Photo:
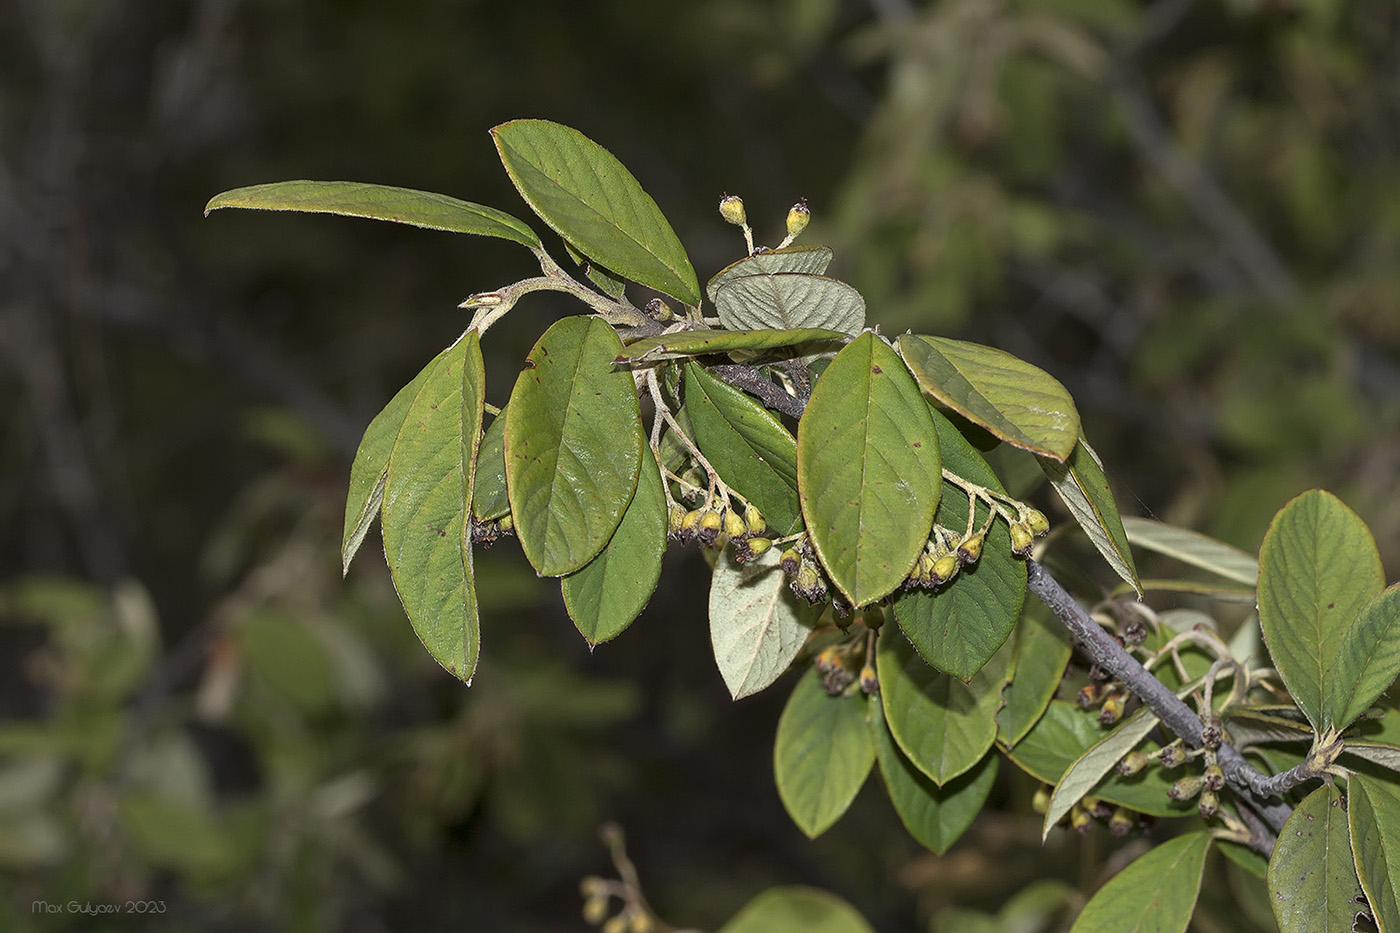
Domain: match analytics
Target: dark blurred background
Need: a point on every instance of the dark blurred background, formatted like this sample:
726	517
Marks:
1187	211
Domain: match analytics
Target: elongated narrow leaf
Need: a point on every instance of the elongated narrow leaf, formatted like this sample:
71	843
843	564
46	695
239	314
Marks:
1318	566
794	909
812	260
959	626
379	202
699	342
1312	881
426	488
757	626
366	494
1194	548
1373	814
1096	762
490	499
822	754
1380	753
1081	483
747	444
590	199
943	725
1155	894
606	594
573	445
1041	652
789	300
1019	403
1063	733
1368	659
868	470
1250	725
935	816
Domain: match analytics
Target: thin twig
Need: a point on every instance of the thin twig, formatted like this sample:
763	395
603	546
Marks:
764	389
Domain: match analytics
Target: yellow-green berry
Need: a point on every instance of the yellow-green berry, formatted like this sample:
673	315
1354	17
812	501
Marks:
1210	804
1040	803
1112	710
734	525
753	518
1079	819
1133	763
790	561
506	524
616	924
1021	539
1121	822
944	568
731	208
676	518
798	217
1214	777
1186	788
759	546
595	910
1037	522
970	550
868	681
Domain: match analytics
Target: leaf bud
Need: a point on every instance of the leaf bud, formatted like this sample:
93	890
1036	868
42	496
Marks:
734	525
868	681
731	208
944	569
1186	788
595	910
1021	540
1080	820
970	550
790	561
759	546
797	218
1210	804
1214	777
1036	522
1133	763
1122	821
754	520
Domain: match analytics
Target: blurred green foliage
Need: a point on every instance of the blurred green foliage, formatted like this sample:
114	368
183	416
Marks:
1184	210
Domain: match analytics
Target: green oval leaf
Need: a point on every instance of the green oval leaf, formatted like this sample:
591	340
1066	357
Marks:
379	202
789	300
1019	403
1038	665
1063	733
746	444
1312	881
959	626
1082	485
1368	659
822	754
812	260
573	445
1373	815
943	725
490	500
757	626
868	470
590	199
1155	894
426	488
606	594
794	909
699	342
1318	566
935	816
1194	548
366	493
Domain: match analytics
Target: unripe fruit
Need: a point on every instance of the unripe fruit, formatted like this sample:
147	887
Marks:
798	218
753	518
1080	820
970	550
675	518
759	546
1121	822
734	525
873	617
1211	734
1091	695
790	561
506	524
690	522
731	209
1172	756
1112	710
1210	804
1132	763
868	682
1214	777
641	923
1186	788
1021	540
1036	522
1040	803
615	925
595	910
944	568
708	529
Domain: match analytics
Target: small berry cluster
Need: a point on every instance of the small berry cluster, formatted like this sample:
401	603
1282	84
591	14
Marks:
850	665
1120	820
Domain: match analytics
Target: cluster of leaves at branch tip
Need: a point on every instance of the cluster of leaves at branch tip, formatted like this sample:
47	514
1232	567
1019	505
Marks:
880	504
